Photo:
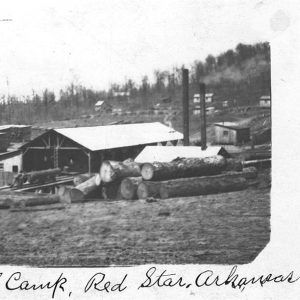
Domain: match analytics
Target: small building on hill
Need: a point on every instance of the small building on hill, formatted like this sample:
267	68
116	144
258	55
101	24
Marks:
103	106
231	133
208	98
265	101
82	149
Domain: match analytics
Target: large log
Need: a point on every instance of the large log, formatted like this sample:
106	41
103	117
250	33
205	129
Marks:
115	170
260	164
148	189
247	173
83	190
43	208
63	192
185	167
128	187
42	176
196	186
29	199
82	178
233	165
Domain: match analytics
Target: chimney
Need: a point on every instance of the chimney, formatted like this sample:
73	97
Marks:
185	106
202	115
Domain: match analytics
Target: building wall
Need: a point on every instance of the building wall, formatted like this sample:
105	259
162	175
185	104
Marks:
225	135
7	164
243	135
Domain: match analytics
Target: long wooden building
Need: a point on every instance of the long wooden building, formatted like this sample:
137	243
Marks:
82	149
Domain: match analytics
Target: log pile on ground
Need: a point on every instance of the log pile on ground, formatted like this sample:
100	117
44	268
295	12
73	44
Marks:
130	180
178	178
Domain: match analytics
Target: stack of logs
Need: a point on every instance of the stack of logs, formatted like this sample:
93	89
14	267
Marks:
130	180
181	177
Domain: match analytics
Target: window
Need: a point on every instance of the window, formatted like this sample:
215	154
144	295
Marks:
15	169
1	166
225	133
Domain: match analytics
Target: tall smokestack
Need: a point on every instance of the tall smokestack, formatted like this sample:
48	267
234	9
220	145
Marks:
185	106
203	116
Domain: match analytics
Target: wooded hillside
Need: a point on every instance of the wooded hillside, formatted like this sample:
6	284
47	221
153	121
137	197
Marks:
242	74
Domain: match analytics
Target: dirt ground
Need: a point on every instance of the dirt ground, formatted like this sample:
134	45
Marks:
229	228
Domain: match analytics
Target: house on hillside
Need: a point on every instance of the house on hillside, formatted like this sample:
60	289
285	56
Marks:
208	98
103	106
231	133
265	101
82	149
197	110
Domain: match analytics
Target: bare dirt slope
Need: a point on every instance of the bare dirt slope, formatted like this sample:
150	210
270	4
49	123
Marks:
225	228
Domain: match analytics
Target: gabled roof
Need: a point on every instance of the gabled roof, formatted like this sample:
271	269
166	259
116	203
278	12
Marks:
117	136
265	97
9	154
231	125
209	94
99	103
169	153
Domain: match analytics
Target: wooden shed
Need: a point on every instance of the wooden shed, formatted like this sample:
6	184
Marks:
265	101
231	133
82	149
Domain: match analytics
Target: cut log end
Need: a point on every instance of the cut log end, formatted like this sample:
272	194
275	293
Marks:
147	171
76	195
127	189
106	172
142	191
163	192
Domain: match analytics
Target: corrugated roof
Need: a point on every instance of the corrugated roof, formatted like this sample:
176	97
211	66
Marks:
169	153
123	135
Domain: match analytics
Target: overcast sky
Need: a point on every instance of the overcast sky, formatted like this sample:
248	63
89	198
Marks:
96	42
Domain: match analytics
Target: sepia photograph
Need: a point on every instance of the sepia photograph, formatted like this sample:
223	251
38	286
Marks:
135	132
